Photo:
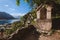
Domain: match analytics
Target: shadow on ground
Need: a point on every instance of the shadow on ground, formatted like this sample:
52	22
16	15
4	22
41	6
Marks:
56	24
28	33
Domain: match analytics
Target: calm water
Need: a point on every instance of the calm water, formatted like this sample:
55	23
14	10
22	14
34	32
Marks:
8	21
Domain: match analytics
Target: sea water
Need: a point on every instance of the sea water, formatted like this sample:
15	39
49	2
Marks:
8	21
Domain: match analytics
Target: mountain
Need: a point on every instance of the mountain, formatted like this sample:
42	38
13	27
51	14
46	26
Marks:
5	16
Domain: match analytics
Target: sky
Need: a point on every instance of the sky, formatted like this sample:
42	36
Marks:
9	6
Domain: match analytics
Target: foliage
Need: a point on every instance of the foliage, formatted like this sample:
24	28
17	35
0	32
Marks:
26	0
17	2
8	31
15	26
38	2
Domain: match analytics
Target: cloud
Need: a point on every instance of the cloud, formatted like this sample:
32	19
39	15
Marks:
11	8
6	5
18	14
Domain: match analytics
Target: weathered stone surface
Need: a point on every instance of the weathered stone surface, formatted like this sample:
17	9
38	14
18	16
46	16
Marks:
44	18
44	25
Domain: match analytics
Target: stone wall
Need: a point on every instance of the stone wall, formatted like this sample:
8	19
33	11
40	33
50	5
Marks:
44	25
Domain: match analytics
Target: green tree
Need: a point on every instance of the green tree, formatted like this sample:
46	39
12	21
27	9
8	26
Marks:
18	2
37	2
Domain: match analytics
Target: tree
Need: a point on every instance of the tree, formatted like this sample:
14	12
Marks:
17	2
37	2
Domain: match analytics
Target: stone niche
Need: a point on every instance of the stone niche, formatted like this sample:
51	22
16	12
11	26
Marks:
44	19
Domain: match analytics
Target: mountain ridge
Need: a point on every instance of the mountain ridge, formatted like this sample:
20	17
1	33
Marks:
5	16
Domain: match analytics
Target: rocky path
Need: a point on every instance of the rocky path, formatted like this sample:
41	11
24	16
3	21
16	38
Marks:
55	36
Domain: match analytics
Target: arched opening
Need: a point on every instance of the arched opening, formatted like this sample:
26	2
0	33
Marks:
43	13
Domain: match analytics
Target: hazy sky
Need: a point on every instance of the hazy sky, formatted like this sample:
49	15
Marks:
10	7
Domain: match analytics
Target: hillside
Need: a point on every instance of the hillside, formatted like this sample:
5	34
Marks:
4	15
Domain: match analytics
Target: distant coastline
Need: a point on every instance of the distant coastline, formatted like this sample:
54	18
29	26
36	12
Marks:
8	21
